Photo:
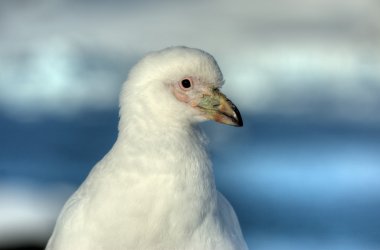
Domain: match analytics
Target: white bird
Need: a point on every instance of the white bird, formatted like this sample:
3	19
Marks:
155	188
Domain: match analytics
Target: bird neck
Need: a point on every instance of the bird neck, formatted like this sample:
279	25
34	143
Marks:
156	140
176	149
172	140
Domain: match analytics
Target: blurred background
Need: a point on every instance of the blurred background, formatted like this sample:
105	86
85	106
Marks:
303	172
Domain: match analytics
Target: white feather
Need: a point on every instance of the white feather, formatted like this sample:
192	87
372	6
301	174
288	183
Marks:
155	189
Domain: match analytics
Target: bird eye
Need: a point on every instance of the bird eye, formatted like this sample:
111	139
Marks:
186	83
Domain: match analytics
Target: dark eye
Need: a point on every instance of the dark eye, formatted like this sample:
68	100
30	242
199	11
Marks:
186	83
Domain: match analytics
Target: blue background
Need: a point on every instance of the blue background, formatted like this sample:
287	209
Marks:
303	172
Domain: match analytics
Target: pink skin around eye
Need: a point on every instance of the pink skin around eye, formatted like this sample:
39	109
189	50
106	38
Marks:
180	92
181	96
188	95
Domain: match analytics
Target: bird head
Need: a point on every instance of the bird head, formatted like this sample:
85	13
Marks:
181	83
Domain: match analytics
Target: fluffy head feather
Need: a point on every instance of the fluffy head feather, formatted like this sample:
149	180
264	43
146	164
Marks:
151	93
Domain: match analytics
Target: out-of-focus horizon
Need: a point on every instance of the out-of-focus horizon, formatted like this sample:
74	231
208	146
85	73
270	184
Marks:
302	173
287	54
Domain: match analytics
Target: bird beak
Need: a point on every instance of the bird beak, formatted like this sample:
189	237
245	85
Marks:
216	106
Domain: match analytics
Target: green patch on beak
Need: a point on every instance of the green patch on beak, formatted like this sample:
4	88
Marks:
216	106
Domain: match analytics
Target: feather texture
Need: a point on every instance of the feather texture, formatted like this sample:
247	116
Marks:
155	189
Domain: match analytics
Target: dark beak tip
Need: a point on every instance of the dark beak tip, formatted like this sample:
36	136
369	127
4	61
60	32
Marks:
239	123
239	119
